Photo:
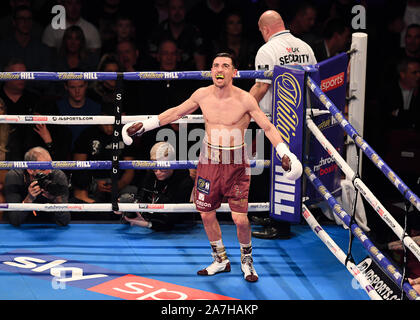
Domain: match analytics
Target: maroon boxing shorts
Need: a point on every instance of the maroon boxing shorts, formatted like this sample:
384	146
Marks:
223	175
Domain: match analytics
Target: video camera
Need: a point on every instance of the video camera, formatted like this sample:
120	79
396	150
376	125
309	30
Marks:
46	183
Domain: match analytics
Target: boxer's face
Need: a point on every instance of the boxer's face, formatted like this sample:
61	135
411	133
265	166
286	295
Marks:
222	71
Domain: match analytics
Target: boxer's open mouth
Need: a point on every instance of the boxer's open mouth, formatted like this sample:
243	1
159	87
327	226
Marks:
220	76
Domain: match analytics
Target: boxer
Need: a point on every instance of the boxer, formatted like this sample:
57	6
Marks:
227	111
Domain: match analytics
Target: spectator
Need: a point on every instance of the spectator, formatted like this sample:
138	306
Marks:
54	138
130	57
53	37
22	44
233	40
411	49
132	60
412	41
103	92
94	144
161	7
76	103
162	186
6	22
411	16
103	14
24	185
336	39
341	9
303	22
393	128
163	94
401	100
125	30
209	17
73	53
187	37
18	101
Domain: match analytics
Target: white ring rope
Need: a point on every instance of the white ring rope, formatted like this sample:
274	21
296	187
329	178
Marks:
339	254
126	207
92	120
364	190
72	120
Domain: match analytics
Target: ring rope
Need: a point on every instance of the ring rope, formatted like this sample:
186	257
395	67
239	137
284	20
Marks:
107	164
364	190
131	76
371	154
339	254
126	207
373	251
73	120
92	120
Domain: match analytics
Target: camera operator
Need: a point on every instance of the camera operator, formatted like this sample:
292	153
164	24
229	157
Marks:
36	186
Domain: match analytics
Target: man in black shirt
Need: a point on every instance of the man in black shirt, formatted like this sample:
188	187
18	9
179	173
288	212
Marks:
95	144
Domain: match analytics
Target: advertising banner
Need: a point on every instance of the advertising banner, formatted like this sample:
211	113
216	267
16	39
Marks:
288	117
331	76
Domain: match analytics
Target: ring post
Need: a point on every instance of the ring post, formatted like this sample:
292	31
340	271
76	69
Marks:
357	92
289	118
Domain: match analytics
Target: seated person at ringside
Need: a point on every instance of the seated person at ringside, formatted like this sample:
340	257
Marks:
77	103
161	186
36	186
95	144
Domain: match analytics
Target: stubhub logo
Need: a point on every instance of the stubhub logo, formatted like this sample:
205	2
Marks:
63	272
332	82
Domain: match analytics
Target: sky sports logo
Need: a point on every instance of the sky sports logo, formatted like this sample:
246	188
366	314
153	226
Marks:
333	82
64	273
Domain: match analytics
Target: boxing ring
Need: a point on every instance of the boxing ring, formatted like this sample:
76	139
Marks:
115	165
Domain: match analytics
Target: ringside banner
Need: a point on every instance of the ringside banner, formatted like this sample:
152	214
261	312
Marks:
330	75
288	117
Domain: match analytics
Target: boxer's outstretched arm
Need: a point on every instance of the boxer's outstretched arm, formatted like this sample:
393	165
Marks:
175	113
137	128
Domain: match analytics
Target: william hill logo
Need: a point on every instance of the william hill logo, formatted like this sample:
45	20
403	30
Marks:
289	98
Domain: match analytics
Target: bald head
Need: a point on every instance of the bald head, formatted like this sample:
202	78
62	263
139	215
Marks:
270	23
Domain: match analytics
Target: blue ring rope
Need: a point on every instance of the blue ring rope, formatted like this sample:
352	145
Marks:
370	153
133	76
107	165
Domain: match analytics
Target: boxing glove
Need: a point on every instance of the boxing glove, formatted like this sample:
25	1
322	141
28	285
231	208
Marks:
138	128
295	167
